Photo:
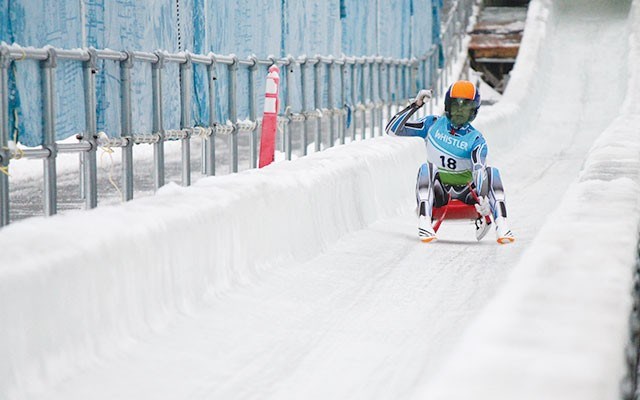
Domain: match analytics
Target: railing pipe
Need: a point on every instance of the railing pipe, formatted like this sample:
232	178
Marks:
186	81
354	101
341	117
126	127
175	57
288	107
435	54
317	101
331	106
39	154
21	53
73	55
5	155
413	81
157	125
363	99
201	59
147	57
91	132
399	88
394	84
380	98
253	114
403	82
233	113
80	147
388	97
303	87
372	99
420	83
209	144
112	55
48	67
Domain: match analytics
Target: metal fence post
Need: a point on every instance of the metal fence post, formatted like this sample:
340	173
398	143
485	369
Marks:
91	135
432	77
303	87
396	95
5	155
363	98
343	93
253	106
317	102
210	141
441	77
185	117
406	77
413	77
419	82
389	96
402	87
331	106
289	102
233	114
354	100
48	116
126	126
380	100
372	115
157	126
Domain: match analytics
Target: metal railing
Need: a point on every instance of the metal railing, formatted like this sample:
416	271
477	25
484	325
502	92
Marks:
378	85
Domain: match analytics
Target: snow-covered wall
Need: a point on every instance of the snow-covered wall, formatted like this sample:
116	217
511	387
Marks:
86	282
399	28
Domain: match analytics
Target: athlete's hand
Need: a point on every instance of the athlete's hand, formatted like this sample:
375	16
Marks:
422	96
482	206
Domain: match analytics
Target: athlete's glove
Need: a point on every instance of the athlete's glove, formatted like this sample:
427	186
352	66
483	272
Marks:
482	206
422	96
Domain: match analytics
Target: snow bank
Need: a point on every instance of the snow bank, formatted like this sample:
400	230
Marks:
97	279
558	329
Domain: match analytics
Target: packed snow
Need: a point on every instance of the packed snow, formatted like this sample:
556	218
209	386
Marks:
305	280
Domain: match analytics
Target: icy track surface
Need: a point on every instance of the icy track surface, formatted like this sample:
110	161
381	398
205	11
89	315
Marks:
306	280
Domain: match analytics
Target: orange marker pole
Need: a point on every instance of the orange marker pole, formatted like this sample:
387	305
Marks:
270	118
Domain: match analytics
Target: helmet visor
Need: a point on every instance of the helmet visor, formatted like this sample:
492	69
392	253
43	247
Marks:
461	111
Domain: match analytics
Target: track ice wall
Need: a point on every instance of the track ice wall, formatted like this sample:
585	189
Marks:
90	281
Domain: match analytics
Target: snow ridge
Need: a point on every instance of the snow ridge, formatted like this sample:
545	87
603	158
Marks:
99	279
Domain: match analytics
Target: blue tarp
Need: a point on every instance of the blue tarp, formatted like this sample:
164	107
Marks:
397	28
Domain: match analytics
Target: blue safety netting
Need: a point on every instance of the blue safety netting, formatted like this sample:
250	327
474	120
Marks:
396	28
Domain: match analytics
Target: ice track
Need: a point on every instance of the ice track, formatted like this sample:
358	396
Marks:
315	285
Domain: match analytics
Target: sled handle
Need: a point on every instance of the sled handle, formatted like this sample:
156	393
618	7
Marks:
476	198
444	213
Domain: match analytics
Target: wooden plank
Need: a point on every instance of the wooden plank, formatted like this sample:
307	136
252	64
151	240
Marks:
498	33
